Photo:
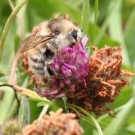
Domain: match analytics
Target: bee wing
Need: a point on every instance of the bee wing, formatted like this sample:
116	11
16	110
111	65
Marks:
32	41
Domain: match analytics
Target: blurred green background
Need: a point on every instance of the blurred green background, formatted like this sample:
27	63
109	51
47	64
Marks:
106	22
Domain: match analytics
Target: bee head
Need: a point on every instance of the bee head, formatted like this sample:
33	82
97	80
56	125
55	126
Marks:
65	31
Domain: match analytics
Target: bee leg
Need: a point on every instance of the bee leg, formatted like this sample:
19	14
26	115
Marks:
59	76
50	71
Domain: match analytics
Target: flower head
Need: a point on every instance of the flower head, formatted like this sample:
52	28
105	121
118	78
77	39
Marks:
71	68
55	123
10	127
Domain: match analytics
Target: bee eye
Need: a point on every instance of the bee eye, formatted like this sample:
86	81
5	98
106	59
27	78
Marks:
57	32
74	34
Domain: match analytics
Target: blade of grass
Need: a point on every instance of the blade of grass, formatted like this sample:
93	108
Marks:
105	24
6	103
85	16
130	21
129	36
95	17
81	115
24	111
115	29
13	109
118	123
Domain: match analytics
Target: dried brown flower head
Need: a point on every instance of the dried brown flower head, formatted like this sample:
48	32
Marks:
57	123
105	80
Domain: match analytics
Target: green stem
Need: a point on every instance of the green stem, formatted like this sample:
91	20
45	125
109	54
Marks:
44	111
8	24
89	117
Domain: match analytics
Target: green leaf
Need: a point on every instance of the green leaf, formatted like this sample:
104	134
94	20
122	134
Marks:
56	104
88	129
41	104
124	97
34	110
131	128
24	111
34	96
